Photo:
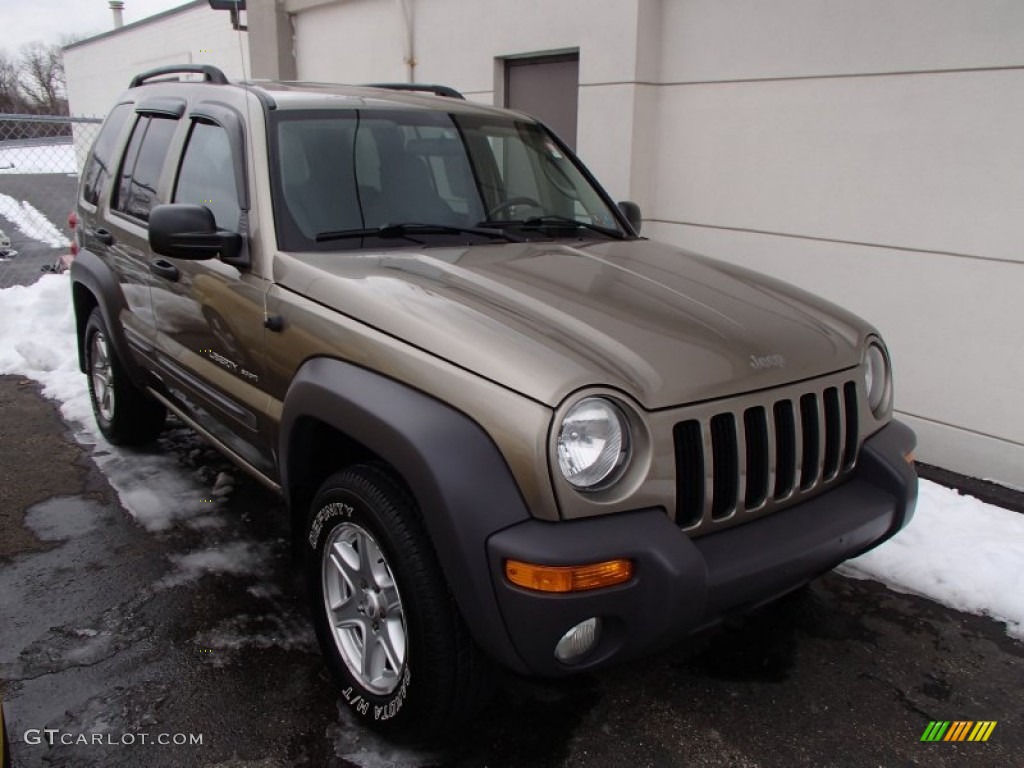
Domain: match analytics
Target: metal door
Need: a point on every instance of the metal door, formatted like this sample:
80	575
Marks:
546	87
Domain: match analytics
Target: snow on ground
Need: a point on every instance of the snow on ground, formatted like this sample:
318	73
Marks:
32	222
363	747
37	340
39	158
239	558
957	551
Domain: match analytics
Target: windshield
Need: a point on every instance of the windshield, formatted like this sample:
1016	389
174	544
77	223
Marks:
426	177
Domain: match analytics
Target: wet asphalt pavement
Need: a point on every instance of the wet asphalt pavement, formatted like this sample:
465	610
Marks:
108	628
53	195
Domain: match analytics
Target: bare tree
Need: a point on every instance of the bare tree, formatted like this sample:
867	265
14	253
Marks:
42	77
11	98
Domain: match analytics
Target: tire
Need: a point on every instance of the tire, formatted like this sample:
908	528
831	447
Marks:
424	677
124	413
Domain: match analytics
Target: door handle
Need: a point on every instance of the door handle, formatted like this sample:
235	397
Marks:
165	269
103	236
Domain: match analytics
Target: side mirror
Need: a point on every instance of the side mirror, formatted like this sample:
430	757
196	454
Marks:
632	213
184	231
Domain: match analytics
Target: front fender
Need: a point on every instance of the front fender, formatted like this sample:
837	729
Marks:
90	273
459	478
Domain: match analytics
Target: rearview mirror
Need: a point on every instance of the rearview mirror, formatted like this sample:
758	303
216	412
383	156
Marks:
632	213
184	231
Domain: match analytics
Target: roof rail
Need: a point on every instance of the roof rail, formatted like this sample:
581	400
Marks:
210	74
437	90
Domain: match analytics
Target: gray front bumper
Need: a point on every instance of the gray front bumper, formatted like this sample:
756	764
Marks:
680	584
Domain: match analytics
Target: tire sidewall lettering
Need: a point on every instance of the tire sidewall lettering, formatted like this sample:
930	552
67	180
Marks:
393	707
324	515
361	702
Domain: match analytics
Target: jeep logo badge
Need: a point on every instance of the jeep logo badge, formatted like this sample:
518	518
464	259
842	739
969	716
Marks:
760	362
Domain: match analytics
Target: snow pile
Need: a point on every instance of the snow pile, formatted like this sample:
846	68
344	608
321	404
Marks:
31	222
37	340
41	158
958	551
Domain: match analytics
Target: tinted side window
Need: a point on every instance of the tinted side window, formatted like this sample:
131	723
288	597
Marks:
143	161
207	176
101	161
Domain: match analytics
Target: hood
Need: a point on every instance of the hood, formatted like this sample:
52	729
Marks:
665	326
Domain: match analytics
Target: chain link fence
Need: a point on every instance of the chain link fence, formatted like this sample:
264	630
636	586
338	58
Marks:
41	158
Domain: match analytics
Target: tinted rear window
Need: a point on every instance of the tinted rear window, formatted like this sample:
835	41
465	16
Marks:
100	166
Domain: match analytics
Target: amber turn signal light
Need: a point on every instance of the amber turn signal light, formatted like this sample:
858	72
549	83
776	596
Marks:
568	578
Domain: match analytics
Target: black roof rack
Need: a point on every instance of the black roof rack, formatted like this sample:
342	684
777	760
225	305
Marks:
437	90
210	74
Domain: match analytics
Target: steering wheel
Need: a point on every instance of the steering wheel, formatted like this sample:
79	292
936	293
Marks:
504	205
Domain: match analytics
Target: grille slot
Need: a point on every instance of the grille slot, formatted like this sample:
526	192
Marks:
726	465
833	433
810	432
689	473
852	437
785	449
764	457
755	426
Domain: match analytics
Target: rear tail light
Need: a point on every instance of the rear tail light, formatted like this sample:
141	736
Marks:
73	226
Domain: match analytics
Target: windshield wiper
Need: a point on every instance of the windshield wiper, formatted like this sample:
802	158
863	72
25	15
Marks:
407	230
540	221
553	220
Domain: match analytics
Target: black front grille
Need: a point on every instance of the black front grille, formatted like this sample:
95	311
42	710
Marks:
747	459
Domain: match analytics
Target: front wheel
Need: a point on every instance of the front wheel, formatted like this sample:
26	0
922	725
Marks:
124	413
388	627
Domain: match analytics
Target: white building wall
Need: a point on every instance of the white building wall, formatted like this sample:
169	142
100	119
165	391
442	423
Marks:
870	152
100	68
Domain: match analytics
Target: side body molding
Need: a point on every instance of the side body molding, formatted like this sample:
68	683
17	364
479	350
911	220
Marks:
464	488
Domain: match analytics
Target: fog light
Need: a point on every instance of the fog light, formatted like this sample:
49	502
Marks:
578	640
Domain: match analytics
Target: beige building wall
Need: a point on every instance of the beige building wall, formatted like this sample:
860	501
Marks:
872	153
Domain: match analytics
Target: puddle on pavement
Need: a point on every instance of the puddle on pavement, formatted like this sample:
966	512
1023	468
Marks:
63	517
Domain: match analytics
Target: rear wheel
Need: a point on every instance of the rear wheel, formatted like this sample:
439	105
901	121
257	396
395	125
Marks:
124	413
387	624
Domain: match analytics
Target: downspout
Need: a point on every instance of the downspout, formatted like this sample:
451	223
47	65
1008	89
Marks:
410	50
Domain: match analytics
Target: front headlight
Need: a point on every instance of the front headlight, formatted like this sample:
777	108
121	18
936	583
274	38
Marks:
877	381
593	444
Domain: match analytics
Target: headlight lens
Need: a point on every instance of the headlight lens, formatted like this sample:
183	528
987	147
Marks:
876	378
593	443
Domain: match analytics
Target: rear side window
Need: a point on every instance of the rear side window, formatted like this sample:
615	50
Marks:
140	169
207	175
100	166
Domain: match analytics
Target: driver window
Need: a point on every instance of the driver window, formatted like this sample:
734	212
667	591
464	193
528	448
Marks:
207	175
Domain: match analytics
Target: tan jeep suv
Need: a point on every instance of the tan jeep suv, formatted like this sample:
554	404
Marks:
508	429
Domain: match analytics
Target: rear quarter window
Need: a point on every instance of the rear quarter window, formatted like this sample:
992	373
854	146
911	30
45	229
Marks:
99	168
